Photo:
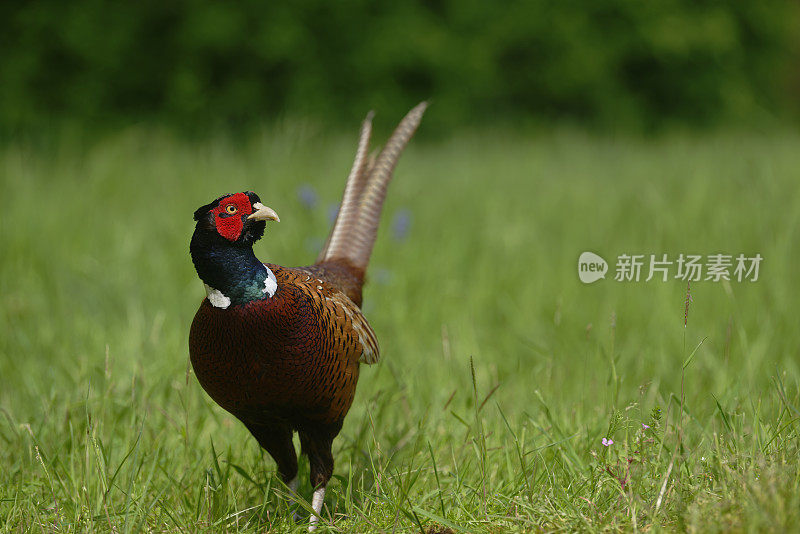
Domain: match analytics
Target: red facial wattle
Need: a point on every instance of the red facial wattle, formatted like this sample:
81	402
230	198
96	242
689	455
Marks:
230	214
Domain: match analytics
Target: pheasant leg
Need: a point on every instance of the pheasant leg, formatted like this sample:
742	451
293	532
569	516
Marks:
316	504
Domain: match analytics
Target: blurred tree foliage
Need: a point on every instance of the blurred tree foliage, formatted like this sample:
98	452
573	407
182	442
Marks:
606	63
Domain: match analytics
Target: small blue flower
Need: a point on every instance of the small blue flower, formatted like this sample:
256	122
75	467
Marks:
307	196
401	224
333	211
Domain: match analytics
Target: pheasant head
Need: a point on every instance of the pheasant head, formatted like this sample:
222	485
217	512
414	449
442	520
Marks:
222	249
239	218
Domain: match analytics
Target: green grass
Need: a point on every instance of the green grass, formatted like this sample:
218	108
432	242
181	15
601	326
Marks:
500	375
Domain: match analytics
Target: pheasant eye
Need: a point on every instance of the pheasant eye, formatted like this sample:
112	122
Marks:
230	208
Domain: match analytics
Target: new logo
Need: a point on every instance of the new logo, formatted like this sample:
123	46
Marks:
591	267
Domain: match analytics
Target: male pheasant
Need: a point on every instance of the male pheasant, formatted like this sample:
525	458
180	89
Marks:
280	347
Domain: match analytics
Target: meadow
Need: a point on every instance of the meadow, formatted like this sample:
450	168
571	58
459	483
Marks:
510	396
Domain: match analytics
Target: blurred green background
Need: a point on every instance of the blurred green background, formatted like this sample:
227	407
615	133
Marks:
608	64
620	127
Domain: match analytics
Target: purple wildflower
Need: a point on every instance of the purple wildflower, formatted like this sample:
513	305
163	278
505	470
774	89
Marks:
307	196
333	211
645	427
607	442
401	224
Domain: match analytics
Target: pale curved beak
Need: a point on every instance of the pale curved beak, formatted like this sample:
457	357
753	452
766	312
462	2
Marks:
263	213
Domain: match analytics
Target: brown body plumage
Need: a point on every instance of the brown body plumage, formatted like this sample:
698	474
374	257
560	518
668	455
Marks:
305	369
289	361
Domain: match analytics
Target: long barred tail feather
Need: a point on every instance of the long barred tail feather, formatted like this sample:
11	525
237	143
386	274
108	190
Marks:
336	244
353	234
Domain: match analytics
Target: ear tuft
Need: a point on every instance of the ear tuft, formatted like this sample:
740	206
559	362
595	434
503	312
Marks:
201	211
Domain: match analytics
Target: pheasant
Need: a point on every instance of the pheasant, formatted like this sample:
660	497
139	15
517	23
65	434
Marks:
279	347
